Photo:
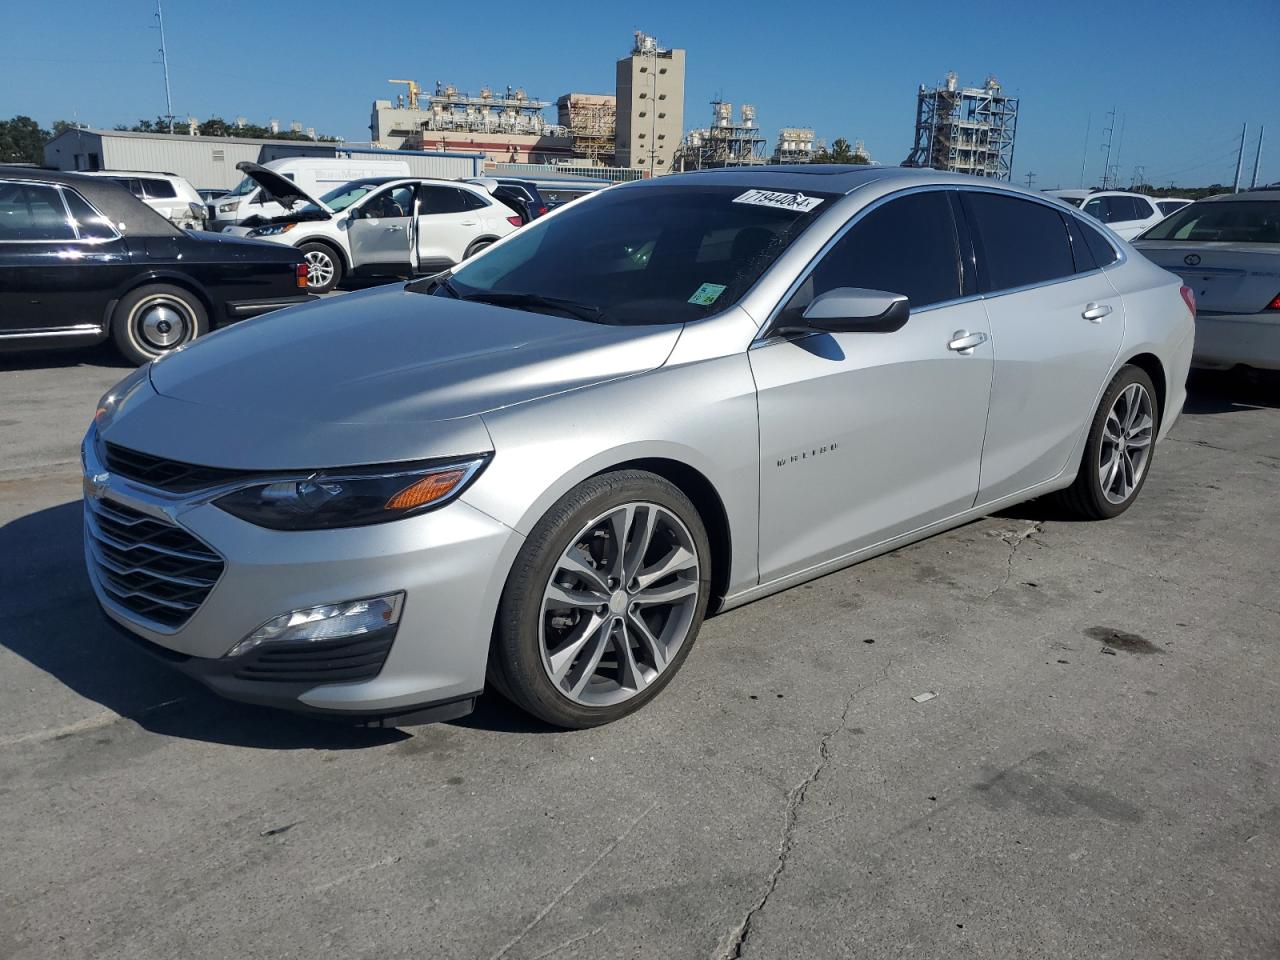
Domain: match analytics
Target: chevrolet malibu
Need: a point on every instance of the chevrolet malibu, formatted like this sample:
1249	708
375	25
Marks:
541	471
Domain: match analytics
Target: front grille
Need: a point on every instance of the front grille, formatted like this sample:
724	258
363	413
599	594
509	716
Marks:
164	474
147	565
344	660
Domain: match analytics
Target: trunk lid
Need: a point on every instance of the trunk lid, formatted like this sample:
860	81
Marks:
1226	277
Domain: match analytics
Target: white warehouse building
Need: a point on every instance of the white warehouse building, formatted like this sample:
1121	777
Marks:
210	162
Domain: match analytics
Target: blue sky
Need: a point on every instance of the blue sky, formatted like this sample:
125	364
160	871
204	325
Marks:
1182	75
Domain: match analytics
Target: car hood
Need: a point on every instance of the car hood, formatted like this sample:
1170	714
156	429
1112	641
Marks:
280	188
384	372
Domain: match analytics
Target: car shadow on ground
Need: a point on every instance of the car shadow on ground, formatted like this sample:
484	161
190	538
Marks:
1231	391
102	355
53	621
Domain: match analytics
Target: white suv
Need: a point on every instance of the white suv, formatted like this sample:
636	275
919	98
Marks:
169	195
398	226
1128	214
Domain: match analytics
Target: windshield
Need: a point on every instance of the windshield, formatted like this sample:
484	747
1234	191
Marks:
344	196
645	254
1238	221
244	188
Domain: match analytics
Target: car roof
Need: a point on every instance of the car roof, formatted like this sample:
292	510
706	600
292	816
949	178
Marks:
113	200
1271	196
127	173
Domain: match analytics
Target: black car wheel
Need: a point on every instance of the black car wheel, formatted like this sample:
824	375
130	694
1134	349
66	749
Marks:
476	248
324	267
151	321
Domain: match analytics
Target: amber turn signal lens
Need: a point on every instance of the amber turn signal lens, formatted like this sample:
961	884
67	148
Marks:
427	490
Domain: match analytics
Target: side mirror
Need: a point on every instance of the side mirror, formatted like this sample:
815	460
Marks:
355	213
855	310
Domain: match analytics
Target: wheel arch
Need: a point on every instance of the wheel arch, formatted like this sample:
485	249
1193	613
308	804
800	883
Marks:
485	239
343	258
706	499
158	277
1150	364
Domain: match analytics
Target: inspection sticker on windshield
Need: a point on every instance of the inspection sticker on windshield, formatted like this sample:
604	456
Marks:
784	201
707	294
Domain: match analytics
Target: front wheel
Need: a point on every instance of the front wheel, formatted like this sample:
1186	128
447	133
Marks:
1117	454
151	321
324	267
603	602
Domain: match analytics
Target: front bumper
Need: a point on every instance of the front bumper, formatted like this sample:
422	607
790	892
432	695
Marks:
450	563
1226	340
243	309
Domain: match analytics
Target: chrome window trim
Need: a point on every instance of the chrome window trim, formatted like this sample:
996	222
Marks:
74	224
1060	207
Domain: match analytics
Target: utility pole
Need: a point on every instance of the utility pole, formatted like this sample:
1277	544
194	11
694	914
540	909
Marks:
1257	158
1244	130
1139	173
1115	176
1108	132
164	62
1030	179
1084	153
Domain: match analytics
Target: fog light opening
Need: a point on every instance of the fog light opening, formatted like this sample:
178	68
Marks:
328	621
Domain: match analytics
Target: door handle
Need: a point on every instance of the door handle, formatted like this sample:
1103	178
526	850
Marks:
466	223
1094	312
396	229
963	342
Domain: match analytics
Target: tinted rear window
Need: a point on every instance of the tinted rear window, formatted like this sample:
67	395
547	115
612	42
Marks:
1234	221
1021	242
1103	252
31	211
158	189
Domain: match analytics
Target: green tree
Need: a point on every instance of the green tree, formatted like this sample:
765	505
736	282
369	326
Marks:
22	140
841	152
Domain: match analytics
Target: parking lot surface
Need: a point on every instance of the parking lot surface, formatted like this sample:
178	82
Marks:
1097	775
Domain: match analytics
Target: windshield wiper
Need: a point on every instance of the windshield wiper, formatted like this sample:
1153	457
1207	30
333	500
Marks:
581	311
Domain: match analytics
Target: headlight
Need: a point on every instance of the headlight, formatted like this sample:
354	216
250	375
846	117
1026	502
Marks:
326	500
114	400
273	230
227	207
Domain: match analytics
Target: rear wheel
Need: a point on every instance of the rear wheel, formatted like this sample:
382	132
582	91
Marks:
324	267
1117	454
476	248
604	601
151	321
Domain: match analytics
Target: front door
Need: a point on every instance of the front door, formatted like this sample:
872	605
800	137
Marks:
382	233
866	436
1057	324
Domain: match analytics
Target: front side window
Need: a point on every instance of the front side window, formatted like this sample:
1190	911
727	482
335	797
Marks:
90	224
906	246
1020	242
30	211
1236	221
646	254
394	202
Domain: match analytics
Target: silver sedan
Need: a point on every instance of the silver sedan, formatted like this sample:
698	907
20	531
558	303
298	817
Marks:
540	472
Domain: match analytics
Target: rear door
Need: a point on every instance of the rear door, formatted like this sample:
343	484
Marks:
381	231
867	436
1056	325
448	221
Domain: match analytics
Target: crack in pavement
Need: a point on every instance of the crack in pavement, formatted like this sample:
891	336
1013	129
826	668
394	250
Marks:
737	938
1015	539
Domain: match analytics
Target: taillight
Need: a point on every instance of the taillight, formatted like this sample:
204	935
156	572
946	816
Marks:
514	221
1189	297
542	211
302	275
1275	303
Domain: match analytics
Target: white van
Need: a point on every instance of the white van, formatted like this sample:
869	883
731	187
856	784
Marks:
315	175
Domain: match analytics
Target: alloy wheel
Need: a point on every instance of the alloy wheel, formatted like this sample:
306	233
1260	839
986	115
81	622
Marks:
1126	443
319	268
619	604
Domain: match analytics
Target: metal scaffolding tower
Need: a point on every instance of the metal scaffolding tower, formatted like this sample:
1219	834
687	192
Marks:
725	143
965	130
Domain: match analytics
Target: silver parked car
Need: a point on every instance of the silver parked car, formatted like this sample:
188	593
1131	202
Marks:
1227	249
542	470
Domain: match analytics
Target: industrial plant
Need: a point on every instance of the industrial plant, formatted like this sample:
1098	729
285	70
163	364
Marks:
965	129
727	142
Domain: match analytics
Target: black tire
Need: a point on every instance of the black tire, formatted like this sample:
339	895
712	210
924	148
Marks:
315	254
153	320
1085	497
515	660
476	247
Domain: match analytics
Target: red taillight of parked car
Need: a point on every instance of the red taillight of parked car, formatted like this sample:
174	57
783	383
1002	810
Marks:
1275	303
302	275
1189	296
542	211
514	221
